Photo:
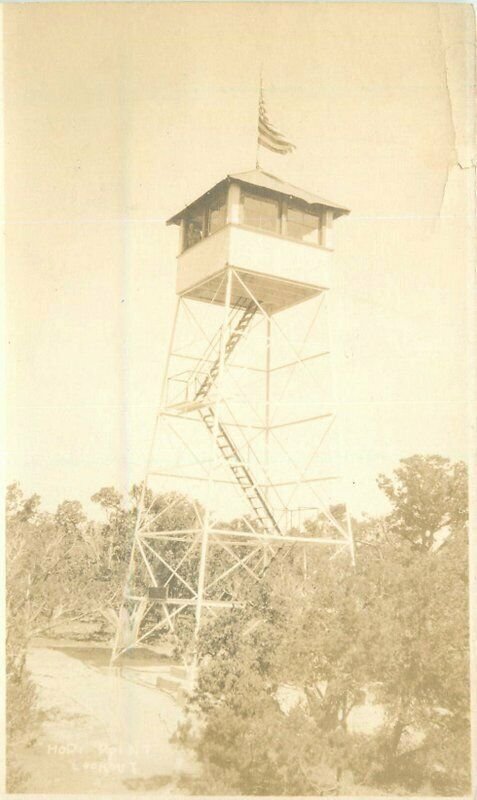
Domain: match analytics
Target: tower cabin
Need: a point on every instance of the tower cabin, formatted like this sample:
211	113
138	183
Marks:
277	238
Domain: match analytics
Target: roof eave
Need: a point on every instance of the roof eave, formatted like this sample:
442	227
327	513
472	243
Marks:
176	218
319	202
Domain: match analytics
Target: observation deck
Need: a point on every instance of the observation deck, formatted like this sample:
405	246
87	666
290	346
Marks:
277	238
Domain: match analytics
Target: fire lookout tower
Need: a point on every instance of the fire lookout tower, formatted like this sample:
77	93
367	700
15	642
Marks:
245	424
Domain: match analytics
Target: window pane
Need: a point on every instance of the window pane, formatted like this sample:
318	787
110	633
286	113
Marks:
303	233
260	213
194	229
303	226
217	214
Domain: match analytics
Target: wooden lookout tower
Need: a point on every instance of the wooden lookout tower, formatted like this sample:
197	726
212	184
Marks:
245	423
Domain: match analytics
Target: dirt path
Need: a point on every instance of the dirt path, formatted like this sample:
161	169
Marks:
103	733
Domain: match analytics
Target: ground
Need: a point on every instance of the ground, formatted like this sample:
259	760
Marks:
105	730
108	730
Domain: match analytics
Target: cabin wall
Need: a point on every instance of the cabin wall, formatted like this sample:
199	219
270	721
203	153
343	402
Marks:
253	251
273	255
202	260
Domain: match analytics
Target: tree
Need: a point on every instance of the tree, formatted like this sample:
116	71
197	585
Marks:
395	628
112	544
21	718
427	493
52	576
416	603
247	744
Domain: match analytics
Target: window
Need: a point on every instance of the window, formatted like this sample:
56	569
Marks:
217	214
194	228
303	226
259	212
205	220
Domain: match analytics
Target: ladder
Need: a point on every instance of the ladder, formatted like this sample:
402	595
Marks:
262	513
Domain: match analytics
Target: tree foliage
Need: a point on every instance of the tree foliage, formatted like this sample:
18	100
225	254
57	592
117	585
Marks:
393	632
280	679
427	493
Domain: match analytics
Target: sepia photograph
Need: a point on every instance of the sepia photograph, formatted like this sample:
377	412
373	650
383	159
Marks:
240	371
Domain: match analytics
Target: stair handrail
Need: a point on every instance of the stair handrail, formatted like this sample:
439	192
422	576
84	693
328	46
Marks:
214	342
250	308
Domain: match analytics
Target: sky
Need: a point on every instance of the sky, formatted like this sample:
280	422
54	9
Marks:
118	115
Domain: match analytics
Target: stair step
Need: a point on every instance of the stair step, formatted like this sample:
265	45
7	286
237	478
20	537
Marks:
243	312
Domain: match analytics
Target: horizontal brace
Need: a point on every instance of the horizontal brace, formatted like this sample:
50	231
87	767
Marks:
158	535
234	483
229	365
212	361
228	424
192	601
240	534
261	486
188	405
300	361
232	543
179	532
300	421
224	422
304	480
267	537
183	416
192	477
135	597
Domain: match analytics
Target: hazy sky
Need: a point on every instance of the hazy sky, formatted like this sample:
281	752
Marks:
117	115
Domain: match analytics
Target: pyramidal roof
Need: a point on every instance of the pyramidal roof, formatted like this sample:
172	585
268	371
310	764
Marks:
264	180
257	177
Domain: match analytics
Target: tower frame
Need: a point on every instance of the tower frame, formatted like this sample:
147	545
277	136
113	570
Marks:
161	587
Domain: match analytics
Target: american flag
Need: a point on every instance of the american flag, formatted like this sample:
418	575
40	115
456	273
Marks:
268	136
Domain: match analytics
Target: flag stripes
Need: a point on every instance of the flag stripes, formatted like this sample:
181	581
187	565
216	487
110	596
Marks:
268	136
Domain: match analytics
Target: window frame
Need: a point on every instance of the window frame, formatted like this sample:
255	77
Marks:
294	206
203	212
283	205
267	199
207	211
187	220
